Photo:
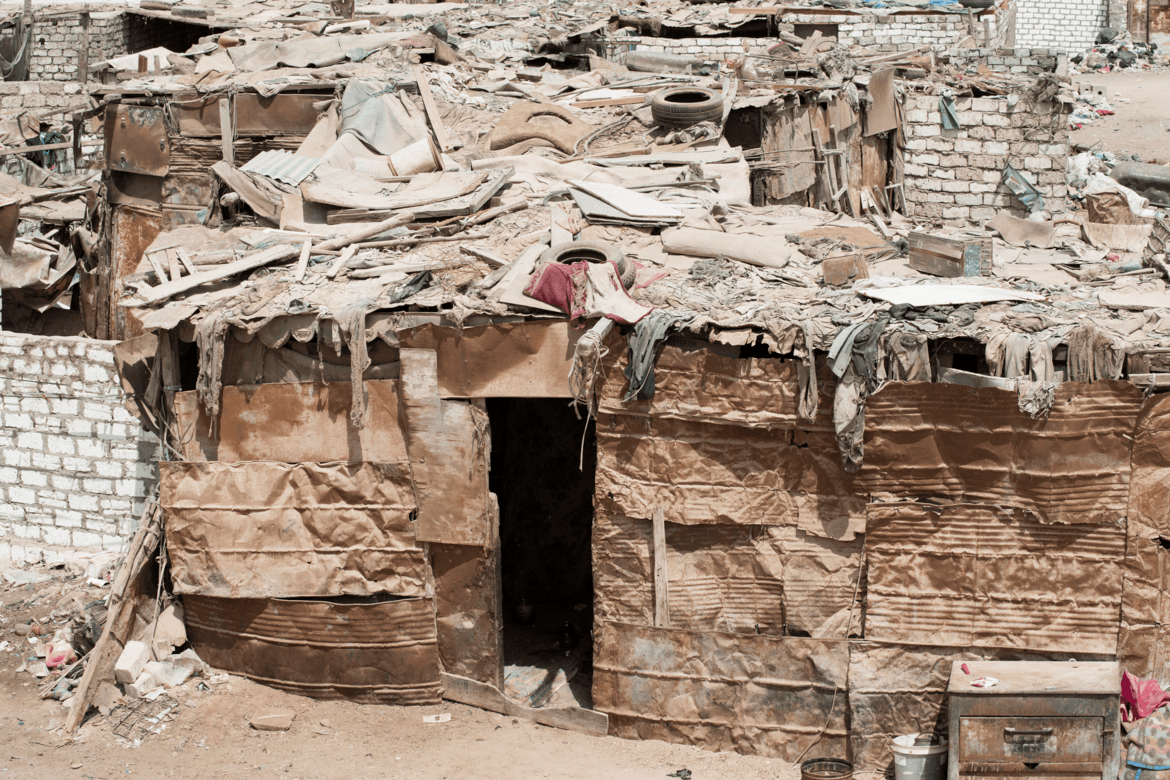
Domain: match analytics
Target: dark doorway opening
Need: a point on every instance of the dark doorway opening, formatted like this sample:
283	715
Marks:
545	494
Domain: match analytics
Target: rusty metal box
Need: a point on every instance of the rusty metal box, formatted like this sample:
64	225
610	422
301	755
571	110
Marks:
1048	720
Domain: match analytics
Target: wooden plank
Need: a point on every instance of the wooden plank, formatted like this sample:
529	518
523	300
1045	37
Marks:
225	131
41	148
661	586
173	263
185	260
488	697
340	262
303	262
634	100
433	116
156	264
811	43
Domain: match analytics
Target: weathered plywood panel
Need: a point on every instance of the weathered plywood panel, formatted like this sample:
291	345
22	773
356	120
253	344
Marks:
509	360
723	692
789	128
967	575
468	611
294	423
709	473
1071	466
447	442
374	652
703	386
263	529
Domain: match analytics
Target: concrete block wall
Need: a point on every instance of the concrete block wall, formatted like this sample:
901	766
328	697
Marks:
1068	25
75	466
955	174
1031	62
57	37
707	49
891	32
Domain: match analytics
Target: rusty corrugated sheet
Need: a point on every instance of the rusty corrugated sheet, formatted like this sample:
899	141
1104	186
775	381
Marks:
971	444
968	575
374	653
294	423
285	113
136	140
727	692
448	446
703	386
737	578
468	611
265	529
1145	606
708	473
509	360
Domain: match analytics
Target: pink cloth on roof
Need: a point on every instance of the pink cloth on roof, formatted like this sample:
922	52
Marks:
1140	697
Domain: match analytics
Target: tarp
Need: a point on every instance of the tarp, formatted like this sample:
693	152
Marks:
264	529
307	52
974	444
763	695
968	575
374	112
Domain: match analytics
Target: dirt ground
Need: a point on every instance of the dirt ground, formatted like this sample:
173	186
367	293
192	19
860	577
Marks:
210	737
1141	126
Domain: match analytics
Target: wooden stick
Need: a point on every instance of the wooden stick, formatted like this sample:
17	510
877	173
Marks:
661	595
412	241
185	260
340	262
156	264
303	262
369	231
173	261
225	131
633	100
424	88
382	270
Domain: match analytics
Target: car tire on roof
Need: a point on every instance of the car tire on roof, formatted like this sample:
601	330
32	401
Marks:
686	106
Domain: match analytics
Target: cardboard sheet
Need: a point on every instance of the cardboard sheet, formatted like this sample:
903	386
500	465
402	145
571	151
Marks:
263	529
975	444
514	360
703	473
763	695
448	444
703	386
369	652
293	423
468	611
969	575
883	114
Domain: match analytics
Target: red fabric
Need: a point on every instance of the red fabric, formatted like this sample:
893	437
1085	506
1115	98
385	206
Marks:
1140	697
560	285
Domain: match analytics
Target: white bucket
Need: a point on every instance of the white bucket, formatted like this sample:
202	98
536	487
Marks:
919	762
420	157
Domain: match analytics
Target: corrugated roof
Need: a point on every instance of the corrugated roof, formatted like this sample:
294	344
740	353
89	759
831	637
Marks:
282	165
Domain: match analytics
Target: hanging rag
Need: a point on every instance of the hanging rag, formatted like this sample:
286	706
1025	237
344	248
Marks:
1015	355
1093	354
909	358
1035	399
1040	360
853	359
950	116
1140	697
210	334
351	322
643	343
806	375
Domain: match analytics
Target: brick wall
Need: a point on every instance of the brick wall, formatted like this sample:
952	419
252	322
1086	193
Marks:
955	174
40	97
74	464
891	32
1032	62
57	37
1068	25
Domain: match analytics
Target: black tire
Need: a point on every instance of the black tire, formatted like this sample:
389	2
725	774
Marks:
591	252
686	106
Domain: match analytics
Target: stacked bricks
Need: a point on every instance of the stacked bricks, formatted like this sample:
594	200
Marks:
57	37
891	32
707	49
1068	25
956	174
75	465
1031	62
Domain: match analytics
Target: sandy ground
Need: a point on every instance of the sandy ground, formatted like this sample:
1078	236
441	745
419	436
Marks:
210	736
1141	126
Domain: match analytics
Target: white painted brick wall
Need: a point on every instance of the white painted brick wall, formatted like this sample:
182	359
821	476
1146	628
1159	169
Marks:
75	465
1068	25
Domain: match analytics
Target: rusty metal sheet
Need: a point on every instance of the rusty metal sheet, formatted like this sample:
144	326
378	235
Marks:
711	473
1016	739
294	423
901	689
447	442
197	115
286	113
700	385
974	444
136	140
508	360
968	575
134	189
134	229
373	652
762	695
265	529
741	578
468	611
